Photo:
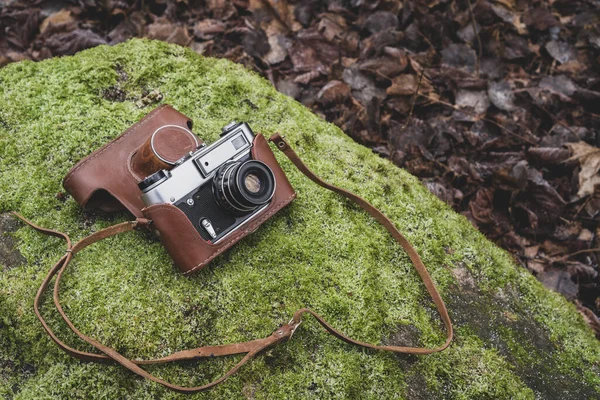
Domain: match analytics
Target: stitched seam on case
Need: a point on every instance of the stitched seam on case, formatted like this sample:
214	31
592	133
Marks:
234	240
124	135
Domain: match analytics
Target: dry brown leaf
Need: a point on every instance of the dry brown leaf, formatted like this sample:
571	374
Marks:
476	100
306	77
347	61
62	17
589	160
207	28
332	26
588	315
559	280
278	51
169	32
407	85
203	48
536	265
403	85
511	4
510	17
334	91
572	67
548	155
274	17
67	42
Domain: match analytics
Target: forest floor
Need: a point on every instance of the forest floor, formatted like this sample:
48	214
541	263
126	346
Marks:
493	104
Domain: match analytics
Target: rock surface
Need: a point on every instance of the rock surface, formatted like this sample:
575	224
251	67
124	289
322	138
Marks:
514	339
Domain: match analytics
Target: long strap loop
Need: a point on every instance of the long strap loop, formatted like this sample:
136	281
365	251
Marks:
249	348
391	228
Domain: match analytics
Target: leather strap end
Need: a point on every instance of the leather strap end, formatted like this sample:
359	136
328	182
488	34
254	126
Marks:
286	331
279	141
141	223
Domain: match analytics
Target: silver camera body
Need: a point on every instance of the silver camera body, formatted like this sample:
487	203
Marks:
218	187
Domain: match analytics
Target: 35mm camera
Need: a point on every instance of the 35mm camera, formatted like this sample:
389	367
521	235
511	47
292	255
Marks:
218	187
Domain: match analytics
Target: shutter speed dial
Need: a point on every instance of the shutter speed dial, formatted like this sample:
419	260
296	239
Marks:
153	180
228	128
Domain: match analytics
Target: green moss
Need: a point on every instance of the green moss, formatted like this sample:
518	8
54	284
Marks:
321	251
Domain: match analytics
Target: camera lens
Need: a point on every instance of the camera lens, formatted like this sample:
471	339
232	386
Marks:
242	187
252	183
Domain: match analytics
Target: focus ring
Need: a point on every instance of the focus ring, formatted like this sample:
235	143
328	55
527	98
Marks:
230	186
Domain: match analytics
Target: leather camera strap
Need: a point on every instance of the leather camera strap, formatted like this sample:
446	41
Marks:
249	348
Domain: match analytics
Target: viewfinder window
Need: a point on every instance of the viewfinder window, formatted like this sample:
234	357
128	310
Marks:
238	142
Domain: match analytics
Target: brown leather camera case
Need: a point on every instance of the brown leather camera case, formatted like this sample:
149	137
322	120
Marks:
108	178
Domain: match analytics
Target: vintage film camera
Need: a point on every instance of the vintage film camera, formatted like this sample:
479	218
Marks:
218	187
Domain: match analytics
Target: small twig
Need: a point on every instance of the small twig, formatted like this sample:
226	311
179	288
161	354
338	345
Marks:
583	205
374	71
356	103
480	118
592	114
428	41
578	252
552	67
476	32
414	100
556	120
563	219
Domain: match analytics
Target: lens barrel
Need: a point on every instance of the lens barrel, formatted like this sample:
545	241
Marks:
242	187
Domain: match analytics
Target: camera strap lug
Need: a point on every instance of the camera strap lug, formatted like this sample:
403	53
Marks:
279	141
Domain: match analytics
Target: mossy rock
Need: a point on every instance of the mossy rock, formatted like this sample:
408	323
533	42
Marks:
514	339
